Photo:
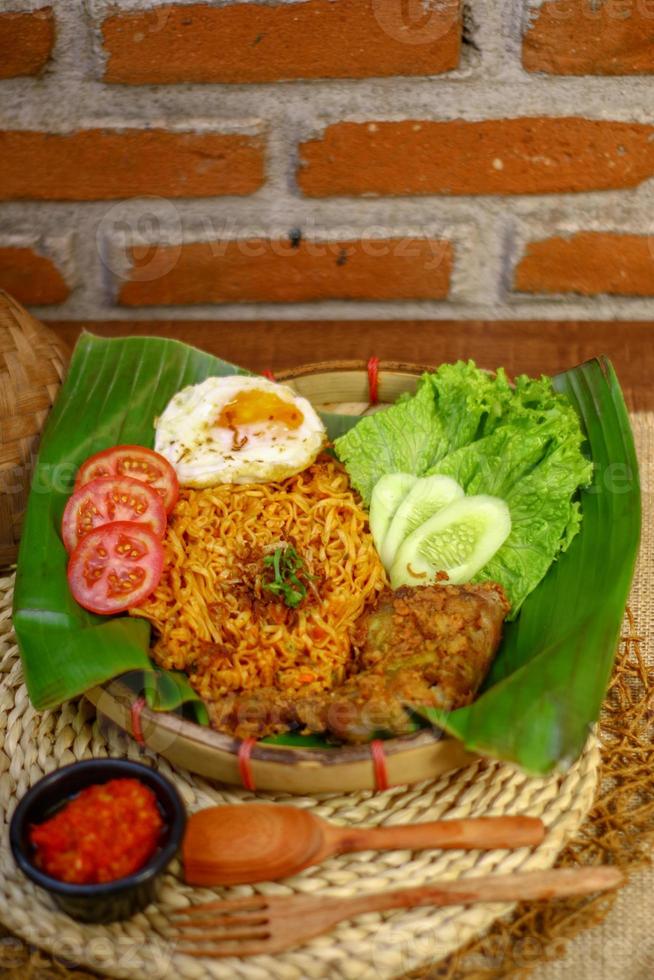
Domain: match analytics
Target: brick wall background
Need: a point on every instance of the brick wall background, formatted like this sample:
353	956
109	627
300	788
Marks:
328	159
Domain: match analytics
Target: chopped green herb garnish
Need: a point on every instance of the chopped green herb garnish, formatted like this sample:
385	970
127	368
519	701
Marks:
289	578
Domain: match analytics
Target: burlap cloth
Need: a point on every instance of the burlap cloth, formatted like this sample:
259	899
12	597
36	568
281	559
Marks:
608	937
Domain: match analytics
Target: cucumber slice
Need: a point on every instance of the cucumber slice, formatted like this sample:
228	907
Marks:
425	498
459	540
388	493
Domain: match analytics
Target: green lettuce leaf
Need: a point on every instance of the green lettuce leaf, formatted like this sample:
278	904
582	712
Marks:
404	438
520	443
536	471
450	408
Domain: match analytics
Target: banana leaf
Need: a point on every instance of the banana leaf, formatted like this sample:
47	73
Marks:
547	683
553	667
113	391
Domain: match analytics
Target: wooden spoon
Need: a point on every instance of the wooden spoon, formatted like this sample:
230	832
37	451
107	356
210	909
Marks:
236	845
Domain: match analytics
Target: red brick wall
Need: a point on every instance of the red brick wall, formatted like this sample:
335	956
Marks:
419	158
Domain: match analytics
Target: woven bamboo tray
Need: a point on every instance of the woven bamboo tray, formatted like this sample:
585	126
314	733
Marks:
32	364
339	386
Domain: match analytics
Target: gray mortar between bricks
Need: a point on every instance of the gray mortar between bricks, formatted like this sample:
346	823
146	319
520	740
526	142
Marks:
488	233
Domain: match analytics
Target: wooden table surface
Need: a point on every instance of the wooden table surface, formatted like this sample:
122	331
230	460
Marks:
532	347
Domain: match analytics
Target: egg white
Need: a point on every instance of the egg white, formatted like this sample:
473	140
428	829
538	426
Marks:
205	454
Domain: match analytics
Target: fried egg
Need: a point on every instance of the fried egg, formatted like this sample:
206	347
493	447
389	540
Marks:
238	429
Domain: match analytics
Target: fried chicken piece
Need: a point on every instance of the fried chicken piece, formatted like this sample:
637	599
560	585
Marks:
368	704
453	630
266	711
428	645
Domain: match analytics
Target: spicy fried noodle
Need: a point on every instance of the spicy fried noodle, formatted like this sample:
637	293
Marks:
214	617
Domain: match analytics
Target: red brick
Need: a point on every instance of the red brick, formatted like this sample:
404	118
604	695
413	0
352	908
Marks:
500	156
254	42
26	41
582	37
102	164
276	271
31	278
589	263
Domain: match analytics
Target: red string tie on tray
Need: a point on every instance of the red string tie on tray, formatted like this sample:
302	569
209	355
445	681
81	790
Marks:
245	763
373	380
268	374
136	711
379	765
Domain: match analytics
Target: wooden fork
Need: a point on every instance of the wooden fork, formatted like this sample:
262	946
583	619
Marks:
261	924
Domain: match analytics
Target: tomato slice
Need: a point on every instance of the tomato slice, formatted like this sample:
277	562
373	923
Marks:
137	462
115	566
111	499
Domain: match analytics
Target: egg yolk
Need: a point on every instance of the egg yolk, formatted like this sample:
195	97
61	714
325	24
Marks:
252	406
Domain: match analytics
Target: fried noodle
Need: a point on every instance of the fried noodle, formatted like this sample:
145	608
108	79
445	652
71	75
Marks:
212	615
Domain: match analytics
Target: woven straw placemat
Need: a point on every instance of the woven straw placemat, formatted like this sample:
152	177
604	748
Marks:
460	941
35	744
373	946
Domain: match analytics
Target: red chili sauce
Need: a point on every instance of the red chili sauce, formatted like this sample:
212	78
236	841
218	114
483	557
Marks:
104	833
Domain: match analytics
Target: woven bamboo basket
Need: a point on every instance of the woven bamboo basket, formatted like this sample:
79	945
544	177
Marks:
32	364
342	386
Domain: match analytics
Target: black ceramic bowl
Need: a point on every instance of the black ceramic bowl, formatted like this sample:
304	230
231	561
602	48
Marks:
112	900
